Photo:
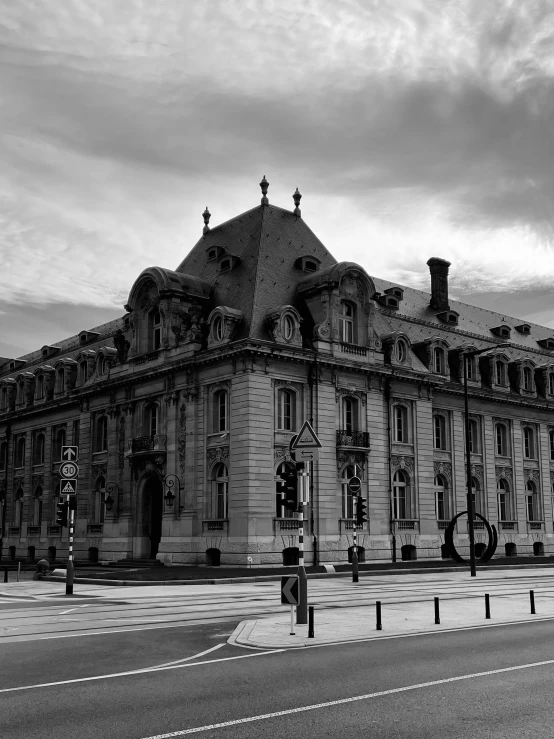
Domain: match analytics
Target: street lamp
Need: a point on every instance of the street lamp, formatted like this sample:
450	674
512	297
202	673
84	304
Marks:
111	487
471	530
170	482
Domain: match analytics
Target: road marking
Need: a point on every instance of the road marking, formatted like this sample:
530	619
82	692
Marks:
137	672
62	613
343	701
187	659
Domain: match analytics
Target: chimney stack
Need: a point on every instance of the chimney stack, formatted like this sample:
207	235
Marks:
439	283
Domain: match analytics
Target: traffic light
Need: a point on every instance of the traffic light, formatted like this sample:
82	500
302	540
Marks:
61	509
289	486
72	502
361	511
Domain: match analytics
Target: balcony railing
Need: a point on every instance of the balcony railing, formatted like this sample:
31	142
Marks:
535	525
407	524
215	524
95	528
33	530
141	444
15	530
353	438
54	530
359	351
507	525
443	524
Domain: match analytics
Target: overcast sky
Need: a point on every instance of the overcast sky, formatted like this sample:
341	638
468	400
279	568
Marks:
413	128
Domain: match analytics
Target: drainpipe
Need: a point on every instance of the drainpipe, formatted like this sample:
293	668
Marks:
314	400
389	473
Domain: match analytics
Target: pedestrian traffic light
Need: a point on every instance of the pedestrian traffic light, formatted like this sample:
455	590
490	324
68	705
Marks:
288	486
361	511
73	503
61	509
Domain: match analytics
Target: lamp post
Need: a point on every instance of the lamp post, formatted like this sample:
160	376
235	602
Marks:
112	487
170	482
470	528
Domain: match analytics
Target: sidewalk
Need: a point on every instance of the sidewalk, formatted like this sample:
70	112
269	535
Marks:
344	624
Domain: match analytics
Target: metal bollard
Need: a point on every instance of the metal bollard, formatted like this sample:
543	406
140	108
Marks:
532	598
18	570
5	574
310	622
437	614
378	614
487	606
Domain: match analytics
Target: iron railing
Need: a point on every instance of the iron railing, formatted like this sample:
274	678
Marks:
353	438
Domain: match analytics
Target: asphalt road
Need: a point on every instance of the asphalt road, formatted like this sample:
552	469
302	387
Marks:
298	688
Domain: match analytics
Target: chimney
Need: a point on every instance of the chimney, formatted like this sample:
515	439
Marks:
439	283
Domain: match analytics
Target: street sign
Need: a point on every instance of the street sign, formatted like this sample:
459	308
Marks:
306	455
289	590
68	487
354	485
69	470
70	453
306	439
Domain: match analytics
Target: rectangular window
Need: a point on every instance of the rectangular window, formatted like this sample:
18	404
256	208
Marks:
220	411
531	508
440	506
502	507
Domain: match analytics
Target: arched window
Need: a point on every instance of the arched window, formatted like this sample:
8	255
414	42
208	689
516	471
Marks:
217	328
349	471
503	495
101	365
20	452
477	497
39	387
438	360
286	410
38	449
400	420
439	431
220	411
346	322
474	446
18	508
533	502
441	498
401	351
154	329
401	496
83	372
528	443
3	455
280	510
501	440
152	419
349	408
500	372
37	507
100	500
527	379
288	327
220	488
101	434
59	441
60	380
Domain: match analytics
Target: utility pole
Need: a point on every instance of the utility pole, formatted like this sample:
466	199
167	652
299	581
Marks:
304	487
72	505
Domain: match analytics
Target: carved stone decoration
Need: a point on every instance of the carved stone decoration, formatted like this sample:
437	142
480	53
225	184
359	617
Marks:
122	345
345	458
218	454
172	398
504	473
18	482
56	477
342	392
223	322
477	472
36	481
113	411
99	470
2	488
444	469
281	454
284	325
352	288
532	475
322	330
121	446
187	325
182	436
402	463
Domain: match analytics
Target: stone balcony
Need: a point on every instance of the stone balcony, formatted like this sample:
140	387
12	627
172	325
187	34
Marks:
144	445
353	439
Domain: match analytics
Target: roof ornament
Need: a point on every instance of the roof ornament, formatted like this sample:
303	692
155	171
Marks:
296	197
206	216
264	184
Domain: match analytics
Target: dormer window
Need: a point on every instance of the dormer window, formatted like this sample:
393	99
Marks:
48	351
503	331
308	264
527	379
225	265
449	316
547	343
86	336
346	322
401	351
524	329
389	301
396	292
438	360
500	372
214	252
155	329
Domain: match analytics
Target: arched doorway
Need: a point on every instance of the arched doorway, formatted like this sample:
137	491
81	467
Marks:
152	512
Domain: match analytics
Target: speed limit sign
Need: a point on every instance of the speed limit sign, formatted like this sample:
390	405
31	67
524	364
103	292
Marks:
69	470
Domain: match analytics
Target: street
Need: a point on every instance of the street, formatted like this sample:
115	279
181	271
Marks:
103	666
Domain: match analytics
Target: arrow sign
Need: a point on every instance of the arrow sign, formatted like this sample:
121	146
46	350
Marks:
69	453
289	590
306	439
68	487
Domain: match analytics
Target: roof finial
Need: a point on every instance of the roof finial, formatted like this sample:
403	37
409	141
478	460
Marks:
264	184
206	216
296	197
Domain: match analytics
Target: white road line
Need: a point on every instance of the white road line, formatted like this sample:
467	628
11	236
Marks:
342	701
187	659
62	613
136	672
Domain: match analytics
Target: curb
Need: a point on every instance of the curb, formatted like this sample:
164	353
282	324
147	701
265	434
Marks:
270	578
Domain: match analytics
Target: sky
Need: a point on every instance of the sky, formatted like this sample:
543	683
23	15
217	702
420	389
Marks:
412	128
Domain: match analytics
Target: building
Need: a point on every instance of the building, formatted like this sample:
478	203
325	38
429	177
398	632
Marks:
183	410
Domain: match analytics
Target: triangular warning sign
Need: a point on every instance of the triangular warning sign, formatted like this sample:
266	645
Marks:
307	438
69	487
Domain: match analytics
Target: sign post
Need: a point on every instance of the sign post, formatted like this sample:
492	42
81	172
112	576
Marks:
355	488
305	445
68	486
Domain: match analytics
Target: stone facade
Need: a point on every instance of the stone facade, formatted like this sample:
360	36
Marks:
184	408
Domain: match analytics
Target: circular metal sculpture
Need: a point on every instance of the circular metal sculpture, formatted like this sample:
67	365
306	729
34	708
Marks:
449	539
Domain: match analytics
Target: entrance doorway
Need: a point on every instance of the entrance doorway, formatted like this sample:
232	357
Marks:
152	512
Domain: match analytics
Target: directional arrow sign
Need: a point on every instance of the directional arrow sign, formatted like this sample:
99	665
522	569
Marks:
289	590
306	439
70	453
69	470
68	487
